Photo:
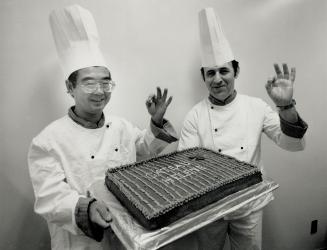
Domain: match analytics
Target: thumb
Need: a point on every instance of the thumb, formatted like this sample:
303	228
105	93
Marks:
97	218
96	214
104	211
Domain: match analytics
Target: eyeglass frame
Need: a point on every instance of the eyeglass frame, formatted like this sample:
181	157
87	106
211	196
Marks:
97	84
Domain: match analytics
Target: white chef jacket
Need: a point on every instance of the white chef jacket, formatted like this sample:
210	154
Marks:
66	158
235	129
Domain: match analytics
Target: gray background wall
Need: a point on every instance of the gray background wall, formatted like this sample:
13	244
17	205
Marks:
150	43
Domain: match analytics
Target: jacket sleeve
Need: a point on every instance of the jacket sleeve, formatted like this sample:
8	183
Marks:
189	133
286	135
153	140
55	200
83	221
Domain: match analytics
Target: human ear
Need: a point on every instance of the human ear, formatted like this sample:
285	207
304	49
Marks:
202	74
237	72
69	87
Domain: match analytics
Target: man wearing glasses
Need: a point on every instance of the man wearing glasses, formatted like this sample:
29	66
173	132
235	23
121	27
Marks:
76	150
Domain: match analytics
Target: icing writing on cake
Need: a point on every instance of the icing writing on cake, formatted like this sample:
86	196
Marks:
175	172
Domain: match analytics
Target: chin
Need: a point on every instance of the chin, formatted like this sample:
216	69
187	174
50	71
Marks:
97	108
220	97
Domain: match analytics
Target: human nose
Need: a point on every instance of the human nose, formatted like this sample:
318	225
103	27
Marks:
217	77
98	88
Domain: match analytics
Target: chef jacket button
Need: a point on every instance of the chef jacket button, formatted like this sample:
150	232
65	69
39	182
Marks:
116	149
216	129
219	150
108	126
92	157
241	147
211	107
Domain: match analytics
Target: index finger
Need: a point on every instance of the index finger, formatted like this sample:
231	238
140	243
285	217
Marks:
278	71
150	99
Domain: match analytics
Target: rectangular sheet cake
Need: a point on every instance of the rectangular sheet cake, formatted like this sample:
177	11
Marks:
161	190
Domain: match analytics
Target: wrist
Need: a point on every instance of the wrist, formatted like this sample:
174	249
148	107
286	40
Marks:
157	122
290	114
286	107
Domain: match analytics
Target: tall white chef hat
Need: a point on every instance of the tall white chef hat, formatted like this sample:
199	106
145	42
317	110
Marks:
76	38
215	49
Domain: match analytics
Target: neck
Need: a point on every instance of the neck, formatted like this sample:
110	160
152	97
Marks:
224	102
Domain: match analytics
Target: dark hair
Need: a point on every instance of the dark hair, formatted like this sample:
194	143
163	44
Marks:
73	78
235	65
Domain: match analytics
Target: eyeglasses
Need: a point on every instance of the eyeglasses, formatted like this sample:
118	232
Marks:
92	86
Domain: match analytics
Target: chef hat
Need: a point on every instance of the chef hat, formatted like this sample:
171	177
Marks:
76	38
215	49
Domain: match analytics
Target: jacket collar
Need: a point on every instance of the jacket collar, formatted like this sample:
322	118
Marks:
228	100
84	123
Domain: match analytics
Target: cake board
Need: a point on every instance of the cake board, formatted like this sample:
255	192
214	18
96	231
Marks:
135	237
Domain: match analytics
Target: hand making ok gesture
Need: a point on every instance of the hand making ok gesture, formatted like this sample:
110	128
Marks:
157	105
280	87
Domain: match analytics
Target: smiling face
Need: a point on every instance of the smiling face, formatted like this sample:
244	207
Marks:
220	80
89	105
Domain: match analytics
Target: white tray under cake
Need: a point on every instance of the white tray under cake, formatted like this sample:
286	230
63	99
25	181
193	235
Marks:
135	237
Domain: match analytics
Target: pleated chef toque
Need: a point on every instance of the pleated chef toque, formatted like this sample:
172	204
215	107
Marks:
215	49
76	37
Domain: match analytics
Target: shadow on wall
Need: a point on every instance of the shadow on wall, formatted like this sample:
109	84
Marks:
23	229
45	99
48	100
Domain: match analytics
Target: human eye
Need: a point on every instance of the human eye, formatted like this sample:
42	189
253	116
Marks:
109	85
106	82
211	73
89	83
224	71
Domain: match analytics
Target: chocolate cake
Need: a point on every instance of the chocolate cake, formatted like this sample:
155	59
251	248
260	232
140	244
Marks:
161	190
